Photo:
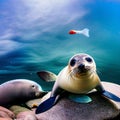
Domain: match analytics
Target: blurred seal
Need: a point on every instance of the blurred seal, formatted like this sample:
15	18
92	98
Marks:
19	91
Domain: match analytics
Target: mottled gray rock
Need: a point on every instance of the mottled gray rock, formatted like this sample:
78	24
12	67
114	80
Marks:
99	109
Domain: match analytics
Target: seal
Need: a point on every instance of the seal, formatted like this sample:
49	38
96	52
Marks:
78	77
18	91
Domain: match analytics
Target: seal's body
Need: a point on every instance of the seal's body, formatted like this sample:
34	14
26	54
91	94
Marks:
78	77
74	84
18	91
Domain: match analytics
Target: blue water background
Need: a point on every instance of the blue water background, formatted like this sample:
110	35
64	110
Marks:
34	36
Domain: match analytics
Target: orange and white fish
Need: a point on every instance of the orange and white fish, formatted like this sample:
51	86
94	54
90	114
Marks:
84	32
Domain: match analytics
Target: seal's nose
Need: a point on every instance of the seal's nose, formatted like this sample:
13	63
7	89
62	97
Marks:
81	66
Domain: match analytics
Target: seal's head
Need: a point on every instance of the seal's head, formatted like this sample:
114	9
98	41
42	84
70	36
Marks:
34	89
29	88
82	64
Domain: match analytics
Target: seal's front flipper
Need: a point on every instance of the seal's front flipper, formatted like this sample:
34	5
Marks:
46	105
107	94
111	96
47	76
80	98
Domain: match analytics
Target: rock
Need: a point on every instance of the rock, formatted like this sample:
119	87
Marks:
35	102
26	115
6	119
23	113
5	113
16	109
100	108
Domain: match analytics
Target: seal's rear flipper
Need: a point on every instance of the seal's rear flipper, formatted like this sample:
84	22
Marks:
46	105
111	96
80	98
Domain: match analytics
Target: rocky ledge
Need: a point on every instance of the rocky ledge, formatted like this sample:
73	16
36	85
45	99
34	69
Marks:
99	109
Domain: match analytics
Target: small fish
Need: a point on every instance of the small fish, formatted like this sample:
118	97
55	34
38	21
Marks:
84	32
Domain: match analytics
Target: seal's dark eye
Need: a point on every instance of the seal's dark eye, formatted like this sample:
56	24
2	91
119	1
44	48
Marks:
33	86
72	62
88	59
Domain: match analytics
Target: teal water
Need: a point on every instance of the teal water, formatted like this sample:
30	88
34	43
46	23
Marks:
34	36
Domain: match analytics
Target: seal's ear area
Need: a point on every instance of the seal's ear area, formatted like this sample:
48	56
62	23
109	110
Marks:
47	76
46	105
80	98
111	96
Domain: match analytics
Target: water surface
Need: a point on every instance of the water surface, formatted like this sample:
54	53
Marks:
34	36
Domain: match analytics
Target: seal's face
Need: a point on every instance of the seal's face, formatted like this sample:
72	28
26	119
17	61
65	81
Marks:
34	90
28	89
82	64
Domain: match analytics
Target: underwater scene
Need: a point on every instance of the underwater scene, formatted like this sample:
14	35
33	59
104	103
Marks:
34	36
